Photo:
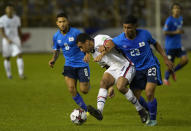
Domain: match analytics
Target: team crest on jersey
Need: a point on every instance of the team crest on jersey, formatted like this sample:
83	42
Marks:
124	46
71	39
59	41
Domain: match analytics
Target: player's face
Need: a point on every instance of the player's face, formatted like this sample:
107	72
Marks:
62	23
85	47
176	10
130	30
9	10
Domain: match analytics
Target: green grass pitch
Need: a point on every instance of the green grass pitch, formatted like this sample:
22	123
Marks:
43	103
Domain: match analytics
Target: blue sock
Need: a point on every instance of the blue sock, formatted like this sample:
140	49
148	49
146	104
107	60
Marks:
167	74
153	109
178	67
143	103
78	99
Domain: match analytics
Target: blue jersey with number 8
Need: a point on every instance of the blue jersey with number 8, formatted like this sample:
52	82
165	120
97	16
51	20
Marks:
73	56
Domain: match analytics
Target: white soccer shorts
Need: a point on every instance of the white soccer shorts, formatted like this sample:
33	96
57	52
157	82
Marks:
11	50
128	71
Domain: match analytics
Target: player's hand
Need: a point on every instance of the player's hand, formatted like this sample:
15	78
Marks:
98	58
169	64
9	41
101	48
87	58
111	92
51	63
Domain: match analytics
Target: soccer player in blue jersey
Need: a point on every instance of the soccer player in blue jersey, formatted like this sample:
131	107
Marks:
173	30
135	44
75	67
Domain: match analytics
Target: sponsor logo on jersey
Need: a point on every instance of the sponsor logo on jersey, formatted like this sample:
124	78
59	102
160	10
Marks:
59	41
71	39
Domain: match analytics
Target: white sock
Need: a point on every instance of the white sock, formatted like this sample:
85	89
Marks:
7	66
101	98
20	66
130	96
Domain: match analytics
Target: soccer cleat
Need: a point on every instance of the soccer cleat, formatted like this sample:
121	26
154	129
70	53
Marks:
10	77
166	82
152	123
22	77
144	115
94	112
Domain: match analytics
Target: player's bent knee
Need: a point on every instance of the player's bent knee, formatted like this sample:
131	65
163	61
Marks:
84	90
72	90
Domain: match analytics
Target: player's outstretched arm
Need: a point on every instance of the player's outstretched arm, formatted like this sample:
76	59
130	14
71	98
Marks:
168	63
54	58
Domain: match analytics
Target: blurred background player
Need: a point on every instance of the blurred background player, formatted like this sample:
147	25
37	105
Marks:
120	72
10	28
173	30
75	67
135	44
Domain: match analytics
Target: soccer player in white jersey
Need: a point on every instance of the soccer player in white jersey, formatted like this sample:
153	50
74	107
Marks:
120	72
10	28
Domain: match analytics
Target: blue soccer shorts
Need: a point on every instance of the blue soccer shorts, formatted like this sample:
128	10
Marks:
78	73
173	53
152	74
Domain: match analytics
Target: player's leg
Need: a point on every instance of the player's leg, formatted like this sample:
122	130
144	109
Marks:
182	63
7	66
137	93
16	51
122	82
152	102
20	66
106	82
171	56
6	52
70	75
153	79
71	84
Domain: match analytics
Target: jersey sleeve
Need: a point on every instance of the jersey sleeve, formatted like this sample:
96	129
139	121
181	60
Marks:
151	40
19	21
55	44
116	41
167	25
1	22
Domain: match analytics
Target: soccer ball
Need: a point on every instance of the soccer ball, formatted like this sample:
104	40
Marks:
78	116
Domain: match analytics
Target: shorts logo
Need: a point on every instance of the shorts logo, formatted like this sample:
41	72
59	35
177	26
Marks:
71	39
141	44
124	46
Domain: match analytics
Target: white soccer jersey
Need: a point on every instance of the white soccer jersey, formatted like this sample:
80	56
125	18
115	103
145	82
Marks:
118	64
10	26
114	57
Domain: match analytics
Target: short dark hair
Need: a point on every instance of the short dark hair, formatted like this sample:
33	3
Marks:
82	37
130	19
10	5
177	4
62	14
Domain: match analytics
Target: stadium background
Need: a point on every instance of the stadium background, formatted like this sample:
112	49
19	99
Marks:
42	102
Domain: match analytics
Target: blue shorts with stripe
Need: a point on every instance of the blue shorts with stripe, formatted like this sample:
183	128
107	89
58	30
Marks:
173	53
78	73
152	74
